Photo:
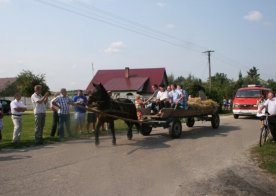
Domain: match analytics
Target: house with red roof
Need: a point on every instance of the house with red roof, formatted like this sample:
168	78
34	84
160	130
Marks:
129	82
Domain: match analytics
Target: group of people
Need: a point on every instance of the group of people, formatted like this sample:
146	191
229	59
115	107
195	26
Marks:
171	97
60	106
227	104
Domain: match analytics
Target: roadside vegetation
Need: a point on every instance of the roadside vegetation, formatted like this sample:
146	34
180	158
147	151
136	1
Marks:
266	156
27	134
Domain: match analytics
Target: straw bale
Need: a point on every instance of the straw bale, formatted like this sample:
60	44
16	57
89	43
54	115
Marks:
196	107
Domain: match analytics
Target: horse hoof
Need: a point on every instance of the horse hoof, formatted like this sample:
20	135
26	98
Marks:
129	138
97	142
114	142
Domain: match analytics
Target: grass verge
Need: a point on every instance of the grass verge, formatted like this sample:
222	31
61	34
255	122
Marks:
27	134
266	156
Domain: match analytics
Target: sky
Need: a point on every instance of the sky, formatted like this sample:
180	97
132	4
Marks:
69	40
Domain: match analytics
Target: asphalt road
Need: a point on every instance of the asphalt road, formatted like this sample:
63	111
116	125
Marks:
203	161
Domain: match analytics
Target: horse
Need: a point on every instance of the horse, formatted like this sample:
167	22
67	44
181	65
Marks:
120	107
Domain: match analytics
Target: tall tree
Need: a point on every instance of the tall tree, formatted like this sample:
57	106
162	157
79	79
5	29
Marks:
271	84
222	87
239	83
25	83
170	78
253	77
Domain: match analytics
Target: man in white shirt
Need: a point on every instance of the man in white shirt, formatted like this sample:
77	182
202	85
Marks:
174	95
39	105
162	97
270	105
17	108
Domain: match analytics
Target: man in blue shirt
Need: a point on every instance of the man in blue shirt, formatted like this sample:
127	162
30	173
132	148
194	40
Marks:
80	102
62	102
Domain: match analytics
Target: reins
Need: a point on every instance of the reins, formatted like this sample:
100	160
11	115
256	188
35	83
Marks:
112	116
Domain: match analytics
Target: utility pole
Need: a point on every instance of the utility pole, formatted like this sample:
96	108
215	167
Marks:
209	62
92	69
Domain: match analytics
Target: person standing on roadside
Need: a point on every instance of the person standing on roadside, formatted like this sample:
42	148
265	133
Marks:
270	105
39	105
80	109
91	117
55	117
17	108
63	102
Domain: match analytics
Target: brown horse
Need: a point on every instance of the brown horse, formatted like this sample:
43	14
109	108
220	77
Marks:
124	108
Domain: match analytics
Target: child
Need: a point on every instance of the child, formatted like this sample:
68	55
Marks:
139	104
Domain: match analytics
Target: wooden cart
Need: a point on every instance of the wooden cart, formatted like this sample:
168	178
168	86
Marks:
171	118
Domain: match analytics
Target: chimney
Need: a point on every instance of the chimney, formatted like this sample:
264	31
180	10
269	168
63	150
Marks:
127	72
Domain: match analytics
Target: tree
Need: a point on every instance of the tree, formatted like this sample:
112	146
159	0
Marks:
271	84
195	87
25	83
10	90
239	83
222	87
191	84
170	78
252	76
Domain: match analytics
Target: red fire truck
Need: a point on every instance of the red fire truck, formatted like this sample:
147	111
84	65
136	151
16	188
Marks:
245	101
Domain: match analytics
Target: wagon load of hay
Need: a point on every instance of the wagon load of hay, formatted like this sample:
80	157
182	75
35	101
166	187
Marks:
196	107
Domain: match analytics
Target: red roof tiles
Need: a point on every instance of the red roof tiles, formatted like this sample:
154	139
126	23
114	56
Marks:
139	80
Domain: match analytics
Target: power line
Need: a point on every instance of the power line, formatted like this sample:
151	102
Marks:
138	29
93	13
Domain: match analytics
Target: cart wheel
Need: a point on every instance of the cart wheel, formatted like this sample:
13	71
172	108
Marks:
145	129
215	121
190	122
175	129
236	116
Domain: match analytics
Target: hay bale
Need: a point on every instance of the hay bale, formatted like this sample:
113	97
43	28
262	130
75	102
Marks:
195	100
202	106
196	107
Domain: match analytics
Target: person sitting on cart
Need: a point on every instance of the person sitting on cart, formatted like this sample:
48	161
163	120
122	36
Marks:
152	98
182	102
178	97
162	99
139	104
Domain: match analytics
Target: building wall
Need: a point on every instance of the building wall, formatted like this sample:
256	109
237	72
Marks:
27	101
128	96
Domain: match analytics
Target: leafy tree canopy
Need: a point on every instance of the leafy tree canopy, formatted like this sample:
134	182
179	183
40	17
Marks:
25	83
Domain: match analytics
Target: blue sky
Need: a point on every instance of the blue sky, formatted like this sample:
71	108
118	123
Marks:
62	38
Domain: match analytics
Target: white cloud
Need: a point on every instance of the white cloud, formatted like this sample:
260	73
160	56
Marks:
161	4
170	26
115	47
254	16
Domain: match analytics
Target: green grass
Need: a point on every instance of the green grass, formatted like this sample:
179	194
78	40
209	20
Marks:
267	156
27	134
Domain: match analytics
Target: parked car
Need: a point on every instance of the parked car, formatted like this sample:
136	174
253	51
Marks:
6	106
